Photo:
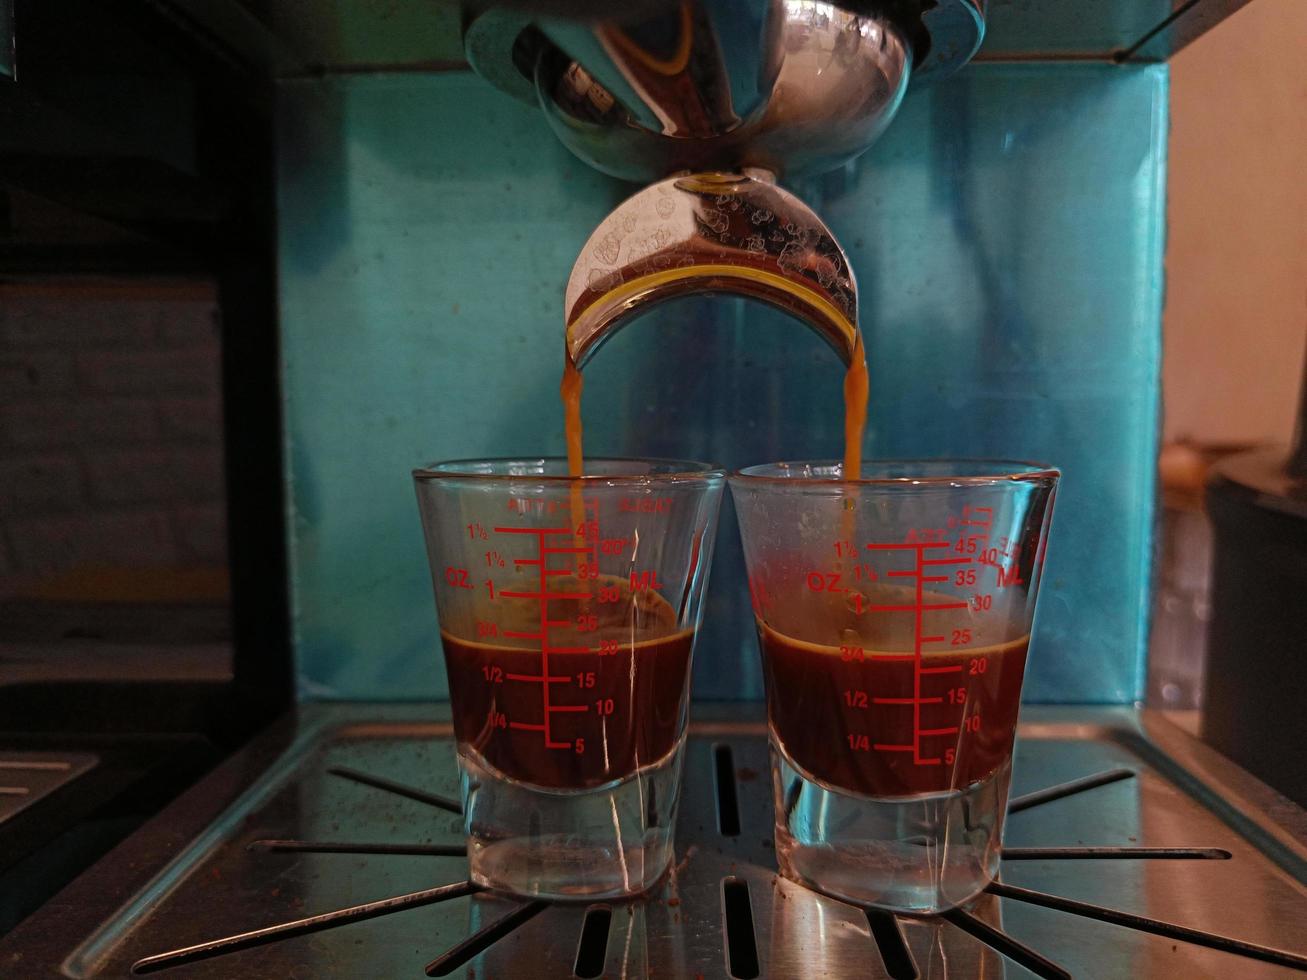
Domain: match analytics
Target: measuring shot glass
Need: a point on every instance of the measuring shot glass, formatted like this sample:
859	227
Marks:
568	610
894	615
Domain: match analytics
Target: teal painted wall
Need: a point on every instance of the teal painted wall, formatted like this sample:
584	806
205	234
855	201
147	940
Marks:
1007	236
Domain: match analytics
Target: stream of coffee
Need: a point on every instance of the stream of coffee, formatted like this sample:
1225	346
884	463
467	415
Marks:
571	392
855	410
855	420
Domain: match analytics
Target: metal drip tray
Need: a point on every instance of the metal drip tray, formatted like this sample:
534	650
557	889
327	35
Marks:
1132	851
26	777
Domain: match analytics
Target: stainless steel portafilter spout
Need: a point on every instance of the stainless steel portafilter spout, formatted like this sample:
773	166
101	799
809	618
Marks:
790	87
711	232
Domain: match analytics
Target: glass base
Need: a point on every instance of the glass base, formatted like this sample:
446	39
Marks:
914	854
613	841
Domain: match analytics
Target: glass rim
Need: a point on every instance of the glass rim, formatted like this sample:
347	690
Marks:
1002	471
677	470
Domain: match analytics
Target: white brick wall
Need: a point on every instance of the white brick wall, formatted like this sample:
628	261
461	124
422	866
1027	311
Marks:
44	484
31	374
110	429
149	371
154	474
187	326
190	419
127	539
40	323
65	421
202	534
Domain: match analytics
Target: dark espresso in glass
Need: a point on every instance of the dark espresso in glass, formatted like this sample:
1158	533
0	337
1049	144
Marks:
610	704
854	709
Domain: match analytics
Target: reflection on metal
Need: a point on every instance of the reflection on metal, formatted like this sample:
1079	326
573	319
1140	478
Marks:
711	233
1115	917
704	84
791	87
956	31
501	50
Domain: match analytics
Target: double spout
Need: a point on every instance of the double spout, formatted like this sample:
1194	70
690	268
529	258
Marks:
704	233
784	85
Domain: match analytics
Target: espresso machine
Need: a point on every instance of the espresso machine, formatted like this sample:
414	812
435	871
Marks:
970	196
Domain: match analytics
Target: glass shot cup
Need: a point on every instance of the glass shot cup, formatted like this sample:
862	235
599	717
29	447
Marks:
567	610
894	616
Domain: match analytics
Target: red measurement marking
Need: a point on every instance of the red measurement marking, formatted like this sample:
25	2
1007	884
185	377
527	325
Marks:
939	731
568	551
922	607
893	748
948	561
891	657
916	668
955	669
904	700
570	707
536	678
907	544
1008	576
633	505
933	639
544	639
542	594
913	573
928	762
